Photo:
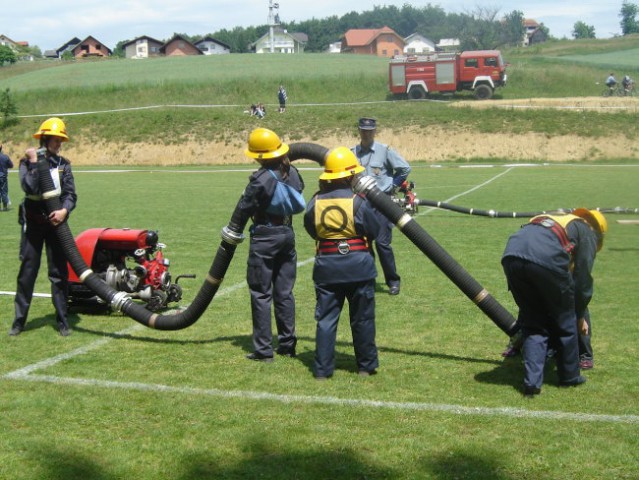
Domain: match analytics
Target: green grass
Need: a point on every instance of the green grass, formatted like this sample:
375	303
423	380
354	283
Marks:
186	405
158	405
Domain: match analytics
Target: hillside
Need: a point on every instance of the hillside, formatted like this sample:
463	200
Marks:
191	110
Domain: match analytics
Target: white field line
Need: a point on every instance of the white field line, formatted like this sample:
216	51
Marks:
331	104
27	374
450	199
342	402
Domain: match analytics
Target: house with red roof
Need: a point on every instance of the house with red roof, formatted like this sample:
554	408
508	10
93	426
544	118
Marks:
383	42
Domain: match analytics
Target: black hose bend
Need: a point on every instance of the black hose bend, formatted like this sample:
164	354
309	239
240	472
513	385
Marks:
453	270
232	235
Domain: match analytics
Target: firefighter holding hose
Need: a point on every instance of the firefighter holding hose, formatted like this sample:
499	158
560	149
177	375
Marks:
272	197
343	225
38	227
548	265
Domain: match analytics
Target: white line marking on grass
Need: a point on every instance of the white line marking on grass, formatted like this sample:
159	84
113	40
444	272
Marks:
343	402
27	374
476	187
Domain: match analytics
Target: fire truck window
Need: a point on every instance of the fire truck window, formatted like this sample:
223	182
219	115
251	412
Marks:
491	62
471	62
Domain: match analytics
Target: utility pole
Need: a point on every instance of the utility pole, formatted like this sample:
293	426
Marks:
273	21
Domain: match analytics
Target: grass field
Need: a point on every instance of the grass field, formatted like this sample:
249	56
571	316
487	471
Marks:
116	400
119	401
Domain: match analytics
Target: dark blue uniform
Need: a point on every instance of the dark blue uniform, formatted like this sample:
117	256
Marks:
344	269
552	289
272	262
5	165
389	170
37	232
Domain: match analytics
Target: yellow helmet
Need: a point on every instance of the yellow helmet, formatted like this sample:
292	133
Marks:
340	163
264	144
52	126
596	220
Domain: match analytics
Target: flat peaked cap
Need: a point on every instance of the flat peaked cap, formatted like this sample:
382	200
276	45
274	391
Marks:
367	123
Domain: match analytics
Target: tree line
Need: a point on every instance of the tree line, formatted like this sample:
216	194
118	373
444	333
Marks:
480	28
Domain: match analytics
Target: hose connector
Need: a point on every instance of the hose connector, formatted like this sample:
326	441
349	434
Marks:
364	184
119	300
231	236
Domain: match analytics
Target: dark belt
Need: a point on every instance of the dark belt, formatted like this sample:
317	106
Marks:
342	246
36	217
273	220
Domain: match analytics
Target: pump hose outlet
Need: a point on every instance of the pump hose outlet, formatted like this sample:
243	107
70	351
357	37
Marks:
232	235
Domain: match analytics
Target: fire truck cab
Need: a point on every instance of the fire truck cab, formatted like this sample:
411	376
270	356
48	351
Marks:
416	76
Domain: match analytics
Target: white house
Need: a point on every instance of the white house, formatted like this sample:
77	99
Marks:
282	42
335	47
211	46
142	47
448	44
417	43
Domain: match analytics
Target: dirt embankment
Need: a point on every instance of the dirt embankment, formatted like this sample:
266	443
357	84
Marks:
433	145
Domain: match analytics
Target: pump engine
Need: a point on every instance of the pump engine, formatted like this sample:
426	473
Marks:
129	261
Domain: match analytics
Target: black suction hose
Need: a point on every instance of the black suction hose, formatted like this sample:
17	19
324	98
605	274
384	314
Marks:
497	214
231	237
453	270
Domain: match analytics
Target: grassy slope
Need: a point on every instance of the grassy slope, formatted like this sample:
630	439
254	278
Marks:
228	84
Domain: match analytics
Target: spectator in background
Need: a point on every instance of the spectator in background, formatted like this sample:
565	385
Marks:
611	82
282	97
5	165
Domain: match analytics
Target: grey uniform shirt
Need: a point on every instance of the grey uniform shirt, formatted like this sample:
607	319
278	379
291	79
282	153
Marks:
384	164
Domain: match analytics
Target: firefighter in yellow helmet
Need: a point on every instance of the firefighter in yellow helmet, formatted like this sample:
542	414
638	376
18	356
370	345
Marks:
271	198
548	265
38	227
343	225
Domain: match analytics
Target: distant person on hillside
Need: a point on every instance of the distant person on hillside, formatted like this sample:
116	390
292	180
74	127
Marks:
611	82
282	97
628	84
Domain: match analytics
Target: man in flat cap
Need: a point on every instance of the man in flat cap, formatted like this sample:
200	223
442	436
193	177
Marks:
389	169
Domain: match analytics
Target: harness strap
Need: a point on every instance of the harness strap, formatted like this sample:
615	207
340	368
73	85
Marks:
342	246
557	229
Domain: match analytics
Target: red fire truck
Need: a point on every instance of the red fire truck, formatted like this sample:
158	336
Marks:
418	75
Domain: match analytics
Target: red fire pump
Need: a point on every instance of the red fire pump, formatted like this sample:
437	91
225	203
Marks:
129	261
409	202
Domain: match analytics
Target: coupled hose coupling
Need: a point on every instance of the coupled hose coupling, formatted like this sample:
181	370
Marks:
119	300
232	237
364	184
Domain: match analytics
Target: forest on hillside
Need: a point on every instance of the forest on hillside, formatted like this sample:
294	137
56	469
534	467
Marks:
480	28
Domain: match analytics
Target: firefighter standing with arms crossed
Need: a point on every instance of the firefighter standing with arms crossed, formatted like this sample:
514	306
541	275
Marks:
272	259
390	170
343	224
38	228
548	265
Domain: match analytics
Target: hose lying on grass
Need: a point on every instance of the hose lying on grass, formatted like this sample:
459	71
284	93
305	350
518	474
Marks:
232	235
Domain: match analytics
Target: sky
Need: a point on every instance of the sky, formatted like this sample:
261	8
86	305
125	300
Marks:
50	25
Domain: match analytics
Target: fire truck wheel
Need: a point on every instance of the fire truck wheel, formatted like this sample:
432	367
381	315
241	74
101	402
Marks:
483	92
417	93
